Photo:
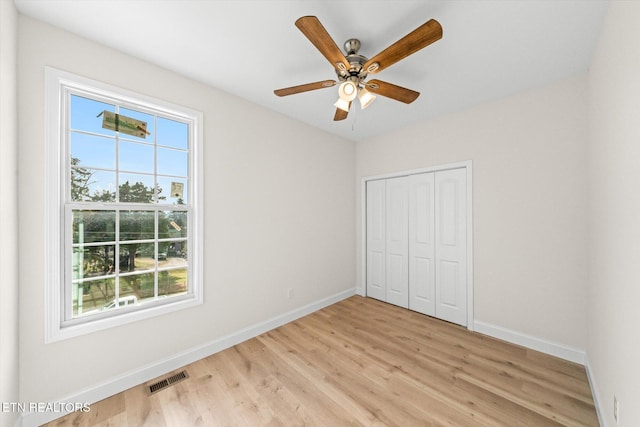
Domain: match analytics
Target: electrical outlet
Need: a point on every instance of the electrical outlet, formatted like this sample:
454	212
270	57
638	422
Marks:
616	410
290	293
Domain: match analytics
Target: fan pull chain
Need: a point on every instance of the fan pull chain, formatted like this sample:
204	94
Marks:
354	114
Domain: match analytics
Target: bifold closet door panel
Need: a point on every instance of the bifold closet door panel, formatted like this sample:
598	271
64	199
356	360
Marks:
416	248
422	291
451	245
397	248
376	240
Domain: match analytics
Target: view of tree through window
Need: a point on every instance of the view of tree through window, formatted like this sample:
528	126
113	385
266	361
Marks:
128	176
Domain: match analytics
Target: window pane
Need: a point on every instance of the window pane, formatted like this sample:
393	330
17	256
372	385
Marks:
93	226
172	224
172	255
137	225
137	257
172	162
91	185
140	285
172	282
135	157
172	133
92	151
92	297
136	188
84	115
147	118
179	195
92	261
176	255
163	253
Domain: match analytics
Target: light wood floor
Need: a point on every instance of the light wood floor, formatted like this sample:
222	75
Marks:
362	362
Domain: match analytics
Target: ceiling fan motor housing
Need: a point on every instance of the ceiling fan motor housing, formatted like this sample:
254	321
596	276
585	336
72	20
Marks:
355	72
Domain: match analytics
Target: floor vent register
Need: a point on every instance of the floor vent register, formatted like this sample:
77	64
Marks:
167	382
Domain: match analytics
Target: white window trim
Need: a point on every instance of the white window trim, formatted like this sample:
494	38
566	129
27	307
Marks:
54	242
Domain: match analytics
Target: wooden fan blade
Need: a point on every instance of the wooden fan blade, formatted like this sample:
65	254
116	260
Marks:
318	35
341	114
422	36
304	88
392	91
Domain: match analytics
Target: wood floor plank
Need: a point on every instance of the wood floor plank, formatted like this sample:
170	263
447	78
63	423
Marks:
457	400
142	411
362	362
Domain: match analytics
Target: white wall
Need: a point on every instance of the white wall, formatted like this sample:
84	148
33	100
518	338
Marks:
614	214
9	361
9	356
278	208
530	198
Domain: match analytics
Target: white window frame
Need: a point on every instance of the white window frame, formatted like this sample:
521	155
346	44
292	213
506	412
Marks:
57	83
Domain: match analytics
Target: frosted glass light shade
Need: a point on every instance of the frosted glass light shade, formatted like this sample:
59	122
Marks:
342	104
365	97
348	91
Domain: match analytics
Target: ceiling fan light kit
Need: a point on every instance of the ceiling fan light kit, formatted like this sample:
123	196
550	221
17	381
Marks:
353	69
348	91
365	97
342	104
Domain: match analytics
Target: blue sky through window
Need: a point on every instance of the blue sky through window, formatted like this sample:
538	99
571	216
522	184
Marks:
95	148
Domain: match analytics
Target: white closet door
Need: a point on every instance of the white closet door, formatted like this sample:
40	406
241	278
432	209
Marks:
397	242
376	240
422	291
451	246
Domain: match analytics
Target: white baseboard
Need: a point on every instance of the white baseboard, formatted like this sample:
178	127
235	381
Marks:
534	343
594	391
133	378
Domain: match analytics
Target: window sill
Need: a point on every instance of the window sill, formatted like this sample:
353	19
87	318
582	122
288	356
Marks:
60	331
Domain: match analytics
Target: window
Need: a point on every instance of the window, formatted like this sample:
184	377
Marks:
123	179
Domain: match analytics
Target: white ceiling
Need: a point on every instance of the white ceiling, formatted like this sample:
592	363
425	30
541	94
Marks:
489	50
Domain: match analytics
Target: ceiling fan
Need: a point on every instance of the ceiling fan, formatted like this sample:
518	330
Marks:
353	69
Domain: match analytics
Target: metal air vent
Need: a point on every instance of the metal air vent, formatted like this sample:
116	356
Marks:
162	384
